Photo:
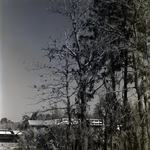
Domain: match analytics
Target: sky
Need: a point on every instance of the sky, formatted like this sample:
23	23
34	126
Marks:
25	26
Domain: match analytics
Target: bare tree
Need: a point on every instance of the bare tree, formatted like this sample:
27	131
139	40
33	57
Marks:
103	50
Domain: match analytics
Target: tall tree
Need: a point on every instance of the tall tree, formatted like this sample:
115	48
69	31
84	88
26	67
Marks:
85	57
105	48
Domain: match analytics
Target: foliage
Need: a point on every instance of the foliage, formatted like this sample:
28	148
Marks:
104	55
8	124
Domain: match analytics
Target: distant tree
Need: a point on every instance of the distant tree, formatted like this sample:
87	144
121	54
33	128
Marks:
4	120
34	115
56	113
48	117
25	123
25	117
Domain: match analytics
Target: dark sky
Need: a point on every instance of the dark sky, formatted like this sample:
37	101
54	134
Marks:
24	28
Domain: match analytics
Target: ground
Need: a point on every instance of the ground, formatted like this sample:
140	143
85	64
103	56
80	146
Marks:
9	146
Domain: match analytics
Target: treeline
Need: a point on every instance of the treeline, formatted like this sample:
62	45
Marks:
104	57
9	125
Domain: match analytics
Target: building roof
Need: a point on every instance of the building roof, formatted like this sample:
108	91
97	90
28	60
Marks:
40	122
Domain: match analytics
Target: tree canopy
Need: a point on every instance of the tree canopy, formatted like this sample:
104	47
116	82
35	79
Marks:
104	57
